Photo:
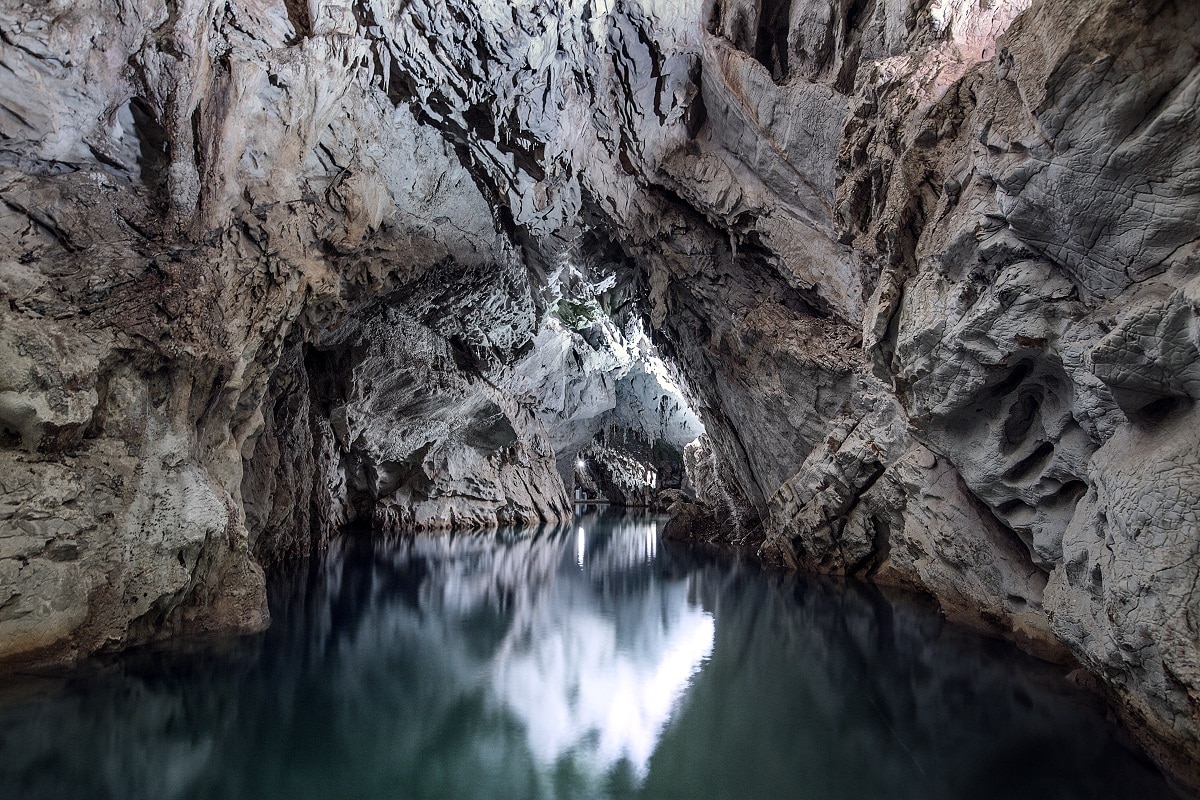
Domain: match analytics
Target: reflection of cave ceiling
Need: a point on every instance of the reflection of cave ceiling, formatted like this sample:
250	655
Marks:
924	272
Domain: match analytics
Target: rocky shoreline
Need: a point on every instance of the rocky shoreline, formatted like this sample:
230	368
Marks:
925	272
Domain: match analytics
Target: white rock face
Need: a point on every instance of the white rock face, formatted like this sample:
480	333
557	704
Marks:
925	271
597	380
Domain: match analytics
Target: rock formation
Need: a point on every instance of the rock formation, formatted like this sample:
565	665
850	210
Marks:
925	270
597	384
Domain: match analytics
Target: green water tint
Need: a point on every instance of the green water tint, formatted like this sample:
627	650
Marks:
584	661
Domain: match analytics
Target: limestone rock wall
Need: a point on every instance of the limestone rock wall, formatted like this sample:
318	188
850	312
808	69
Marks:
1025	234
208	216
925	269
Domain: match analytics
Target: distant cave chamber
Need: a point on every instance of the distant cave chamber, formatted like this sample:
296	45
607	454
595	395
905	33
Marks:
387	421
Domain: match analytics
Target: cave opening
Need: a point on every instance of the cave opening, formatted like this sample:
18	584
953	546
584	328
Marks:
418	412
428	320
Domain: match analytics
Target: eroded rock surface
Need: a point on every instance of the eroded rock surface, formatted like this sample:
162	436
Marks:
924	270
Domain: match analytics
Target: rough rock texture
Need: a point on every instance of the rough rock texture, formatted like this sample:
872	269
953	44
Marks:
925	269
626	469
206	231
613	413
597	384
1027	313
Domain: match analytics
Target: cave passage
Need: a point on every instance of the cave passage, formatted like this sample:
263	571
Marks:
586	660
904	291
407	417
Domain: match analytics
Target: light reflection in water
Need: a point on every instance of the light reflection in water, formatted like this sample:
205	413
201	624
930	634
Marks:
600	689
579	693
587	661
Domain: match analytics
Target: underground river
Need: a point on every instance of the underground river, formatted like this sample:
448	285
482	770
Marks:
583	661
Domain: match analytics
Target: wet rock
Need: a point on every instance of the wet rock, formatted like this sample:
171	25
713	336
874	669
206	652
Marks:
1031	326
924	272
693	522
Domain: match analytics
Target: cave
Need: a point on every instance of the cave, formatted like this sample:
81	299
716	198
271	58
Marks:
491	398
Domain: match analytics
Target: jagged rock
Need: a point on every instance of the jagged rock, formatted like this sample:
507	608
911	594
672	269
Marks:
179	232
612	472
582	384
871	501
924	271
694	522
1029	305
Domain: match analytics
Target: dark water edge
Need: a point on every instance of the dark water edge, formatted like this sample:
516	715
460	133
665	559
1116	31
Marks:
581	661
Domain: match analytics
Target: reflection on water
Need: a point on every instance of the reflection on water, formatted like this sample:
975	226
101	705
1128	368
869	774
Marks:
578	662
589	661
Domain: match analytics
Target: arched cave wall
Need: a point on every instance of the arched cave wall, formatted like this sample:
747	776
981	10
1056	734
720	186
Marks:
926	270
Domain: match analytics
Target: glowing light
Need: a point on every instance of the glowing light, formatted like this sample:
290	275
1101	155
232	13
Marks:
580	546
581	692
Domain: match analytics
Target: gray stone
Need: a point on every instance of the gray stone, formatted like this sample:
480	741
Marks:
925	274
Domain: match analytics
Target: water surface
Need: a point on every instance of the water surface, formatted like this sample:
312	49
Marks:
585	661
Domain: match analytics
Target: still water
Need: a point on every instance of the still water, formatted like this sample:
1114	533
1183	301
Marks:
587	661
